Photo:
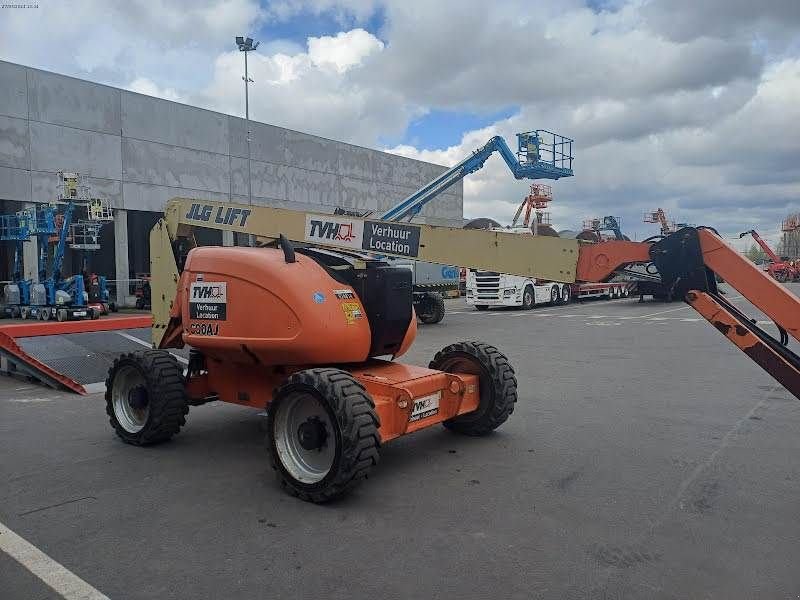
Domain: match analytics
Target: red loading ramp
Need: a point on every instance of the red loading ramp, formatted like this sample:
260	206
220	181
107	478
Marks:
21	362
109	323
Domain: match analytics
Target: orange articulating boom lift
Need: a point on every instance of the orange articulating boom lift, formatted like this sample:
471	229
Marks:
308	326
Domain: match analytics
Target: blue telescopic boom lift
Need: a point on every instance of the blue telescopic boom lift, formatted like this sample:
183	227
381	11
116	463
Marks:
541	154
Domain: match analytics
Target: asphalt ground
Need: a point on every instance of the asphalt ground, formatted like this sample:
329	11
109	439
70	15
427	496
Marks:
647	458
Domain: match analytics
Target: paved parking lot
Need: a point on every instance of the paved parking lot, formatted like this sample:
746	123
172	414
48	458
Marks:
647	458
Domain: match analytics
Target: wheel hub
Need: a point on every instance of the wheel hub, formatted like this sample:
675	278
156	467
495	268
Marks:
137	398
312	434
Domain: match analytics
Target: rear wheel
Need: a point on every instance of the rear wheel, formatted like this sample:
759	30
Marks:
528	299
145	398
322	434
498	385
430	308
555	296
566	293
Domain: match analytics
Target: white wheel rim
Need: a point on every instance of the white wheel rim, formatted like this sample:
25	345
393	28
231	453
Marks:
130	400
528	300
296	414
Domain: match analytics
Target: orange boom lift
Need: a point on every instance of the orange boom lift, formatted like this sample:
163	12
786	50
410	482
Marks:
308	327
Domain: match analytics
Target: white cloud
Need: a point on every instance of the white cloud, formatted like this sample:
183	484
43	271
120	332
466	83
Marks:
312	90
142	85
344	50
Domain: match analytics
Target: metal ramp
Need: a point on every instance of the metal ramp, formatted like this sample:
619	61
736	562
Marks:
72	361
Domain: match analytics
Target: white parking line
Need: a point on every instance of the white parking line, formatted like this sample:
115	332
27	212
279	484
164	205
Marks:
133	338
65	583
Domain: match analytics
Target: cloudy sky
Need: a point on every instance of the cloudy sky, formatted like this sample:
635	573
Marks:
689	105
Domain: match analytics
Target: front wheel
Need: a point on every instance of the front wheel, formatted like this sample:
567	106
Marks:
145	398
497	382
528	300
322	434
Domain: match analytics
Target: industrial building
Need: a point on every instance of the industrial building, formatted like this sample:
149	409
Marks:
138	152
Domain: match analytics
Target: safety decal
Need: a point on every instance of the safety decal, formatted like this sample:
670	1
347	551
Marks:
318	297
427	406
208	300
344	294
352	312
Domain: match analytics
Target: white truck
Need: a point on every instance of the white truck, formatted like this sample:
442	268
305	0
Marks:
485	289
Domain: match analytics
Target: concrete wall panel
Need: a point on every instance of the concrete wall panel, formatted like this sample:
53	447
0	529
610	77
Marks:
311	187
267	142
45	188
269	180
55	148
357	162
358	193
310	152
145	196
13	91
15	143
15	184
399	170
156	120
66	101
160	164
390	194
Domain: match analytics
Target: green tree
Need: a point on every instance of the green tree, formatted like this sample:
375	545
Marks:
756	254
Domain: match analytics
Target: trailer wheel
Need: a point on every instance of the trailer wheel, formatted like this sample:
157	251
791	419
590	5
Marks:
431	308
145	398
554	295
528	299
498	385
566	293
322	434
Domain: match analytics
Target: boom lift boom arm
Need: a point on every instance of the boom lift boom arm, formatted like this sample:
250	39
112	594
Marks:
541	154
687	261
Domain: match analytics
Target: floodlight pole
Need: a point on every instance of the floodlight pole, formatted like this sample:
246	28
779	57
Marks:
247	120
247	45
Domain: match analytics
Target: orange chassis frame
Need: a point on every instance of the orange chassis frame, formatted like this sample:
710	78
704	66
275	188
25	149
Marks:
394	387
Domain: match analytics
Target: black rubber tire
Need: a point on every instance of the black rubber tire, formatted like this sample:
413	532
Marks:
481	307
431	308
532	303
351	408
166	394
112	307
498	385
555	296
566	294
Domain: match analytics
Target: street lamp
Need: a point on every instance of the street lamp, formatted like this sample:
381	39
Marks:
247	45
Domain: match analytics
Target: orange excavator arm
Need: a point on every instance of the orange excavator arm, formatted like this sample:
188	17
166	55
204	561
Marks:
689	261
